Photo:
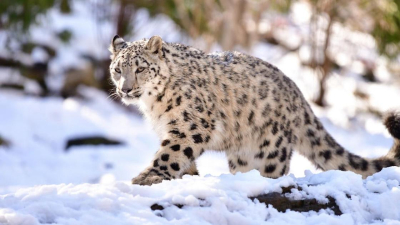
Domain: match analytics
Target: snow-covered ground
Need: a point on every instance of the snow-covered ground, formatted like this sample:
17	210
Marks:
207	200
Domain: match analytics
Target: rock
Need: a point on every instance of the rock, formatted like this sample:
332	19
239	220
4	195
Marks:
4	142
91	140
281	202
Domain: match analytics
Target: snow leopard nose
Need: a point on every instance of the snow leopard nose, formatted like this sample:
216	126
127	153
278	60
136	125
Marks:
126	90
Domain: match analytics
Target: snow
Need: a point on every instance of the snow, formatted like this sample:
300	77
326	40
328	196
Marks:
207	200
39	128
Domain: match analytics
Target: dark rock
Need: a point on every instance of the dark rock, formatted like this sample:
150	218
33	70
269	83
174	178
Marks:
4	142
282	203
92	140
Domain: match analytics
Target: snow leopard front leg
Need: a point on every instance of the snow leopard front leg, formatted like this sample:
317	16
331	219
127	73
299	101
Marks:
174	158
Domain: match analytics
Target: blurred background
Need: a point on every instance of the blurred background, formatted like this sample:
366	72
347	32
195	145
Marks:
59	125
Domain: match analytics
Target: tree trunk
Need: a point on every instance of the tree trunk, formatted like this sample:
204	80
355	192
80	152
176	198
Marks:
125	14
326	66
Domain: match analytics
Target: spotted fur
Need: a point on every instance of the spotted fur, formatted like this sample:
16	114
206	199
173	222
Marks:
230	102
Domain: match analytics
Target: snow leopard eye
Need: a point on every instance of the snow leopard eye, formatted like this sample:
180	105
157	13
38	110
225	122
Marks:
117	70
140	69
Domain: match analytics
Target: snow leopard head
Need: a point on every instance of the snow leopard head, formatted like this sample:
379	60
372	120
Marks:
135	67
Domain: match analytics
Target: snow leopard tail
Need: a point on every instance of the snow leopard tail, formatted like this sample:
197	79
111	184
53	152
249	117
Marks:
392	123
318	146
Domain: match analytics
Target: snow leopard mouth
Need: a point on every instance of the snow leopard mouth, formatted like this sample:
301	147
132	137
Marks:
134	95
130	96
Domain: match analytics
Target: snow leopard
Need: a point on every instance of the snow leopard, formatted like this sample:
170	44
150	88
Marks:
229	102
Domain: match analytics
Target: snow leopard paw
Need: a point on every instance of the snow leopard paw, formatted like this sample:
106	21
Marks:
148	179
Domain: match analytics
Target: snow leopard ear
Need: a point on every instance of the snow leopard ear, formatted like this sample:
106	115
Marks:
117	44
154	45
